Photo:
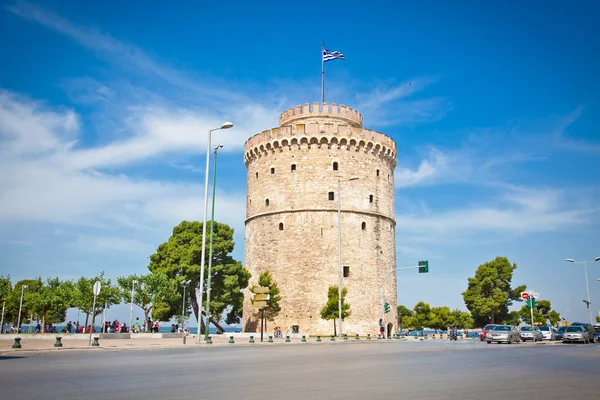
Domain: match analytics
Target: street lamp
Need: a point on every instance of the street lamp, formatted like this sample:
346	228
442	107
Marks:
210	247
354	178
131	304
226	125
589	301
185	284
20	307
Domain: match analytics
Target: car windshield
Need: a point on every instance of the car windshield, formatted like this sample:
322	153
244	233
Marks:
545	328
526	328
562	329
575	329
488	327
501	328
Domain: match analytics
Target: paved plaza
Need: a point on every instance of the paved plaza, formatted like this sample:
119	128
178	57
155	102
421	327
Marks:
341	370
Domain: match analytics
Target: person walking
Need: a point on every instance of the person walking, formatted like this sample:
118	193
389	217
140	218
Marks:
381	328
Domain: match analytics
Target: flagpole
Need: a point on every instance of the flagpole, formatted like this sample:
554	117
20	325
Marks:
322	74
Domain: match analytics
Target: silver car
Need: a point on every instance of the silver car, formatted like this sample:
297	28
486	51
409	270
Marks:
527	333
548	332
576	334
503	333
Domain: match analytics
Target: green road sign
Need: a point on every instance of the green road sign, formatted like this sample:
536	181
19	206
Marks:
423	267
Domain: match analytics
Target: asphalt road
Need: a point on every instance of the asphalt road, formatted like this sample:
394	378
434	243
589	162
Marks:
419	370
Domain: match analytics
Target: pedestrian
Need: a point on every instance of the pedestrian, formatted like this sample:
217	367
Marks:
136	325
381	328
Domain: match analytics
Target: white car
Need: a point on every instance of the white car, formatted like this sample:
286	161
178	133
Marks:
548	333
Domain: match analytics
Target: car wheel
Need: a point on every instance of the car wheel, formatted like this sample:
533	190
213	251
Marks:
489	342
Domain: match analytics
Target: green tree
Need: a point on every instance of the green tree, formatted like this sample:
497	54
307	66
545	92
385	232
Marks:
33	286
331	309
462	319
83	297
153	292
542	313
441	318
489	293
51	301
404	314
179	259
513	318
273	308
5	291
598	318
422	317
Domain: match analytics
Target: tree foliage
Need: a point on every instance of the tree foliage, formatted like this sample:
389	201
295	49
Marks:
84	295
152	292
331	310
51	300
179	259
542	313
489	293
272	310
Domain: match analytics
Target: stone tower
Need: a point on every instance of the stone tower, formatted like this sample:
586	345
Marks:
292	218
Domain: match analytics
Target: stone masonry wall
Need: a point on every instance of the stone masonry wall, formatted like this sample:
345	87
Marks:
291	225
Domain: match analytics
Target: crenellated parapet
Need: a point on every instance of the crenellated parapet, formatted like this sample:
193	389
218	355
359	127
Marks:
323	111
318	136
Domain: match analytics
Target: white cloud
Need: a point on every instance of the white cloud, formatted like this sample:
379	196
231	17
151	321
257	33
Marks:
431	170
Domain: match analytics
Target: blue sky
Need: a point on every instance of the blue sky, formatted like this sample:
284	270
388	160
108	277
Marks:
494	108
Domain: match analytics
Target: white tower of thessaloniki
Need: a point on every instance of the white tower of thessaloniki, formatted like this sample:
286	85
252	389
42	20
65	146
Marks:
292	218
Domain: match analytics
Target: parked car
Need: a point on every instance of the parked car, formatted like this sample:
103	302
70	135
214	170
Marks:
503	333
548	332
588	328
529	333
485	331
576	334
597	329
560	332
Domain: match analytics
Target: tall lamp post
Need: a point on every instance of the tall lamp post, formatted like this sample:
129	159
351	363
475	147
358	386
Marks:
589	301
131	303
340	247
184	284
226	125
210	247
20	307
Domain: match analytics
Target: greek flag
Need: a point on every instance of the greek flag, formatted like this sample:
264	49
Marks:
329	55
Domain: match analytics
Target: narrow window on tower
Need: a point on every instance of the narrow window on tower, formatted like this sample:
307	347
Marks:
267	202
331	196
346	271
257	175
363	226
335	166
281	226
272	171
377	172
293	167
370	198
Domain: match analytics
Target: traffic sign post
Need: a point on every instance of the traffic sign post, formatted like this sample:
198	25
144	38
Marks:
97	288
260	300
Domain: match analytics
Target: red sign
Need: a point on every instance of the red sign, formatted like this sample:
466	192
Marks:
524	295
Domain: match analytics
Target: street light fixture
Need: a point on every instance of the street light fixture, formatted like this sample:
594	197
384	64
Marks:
354	178
587	286
210	247
131	304
20	307
184	284
226	125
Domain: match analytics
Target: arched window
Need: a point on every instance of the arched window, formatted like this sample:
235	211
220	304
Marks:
370	198
293	167
335	166
267	202
363	226
272	171
281	226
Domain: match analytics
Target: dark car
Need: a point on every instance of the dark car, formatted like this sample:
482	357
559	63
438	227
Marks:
597	329
560	332
485	331
588	328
